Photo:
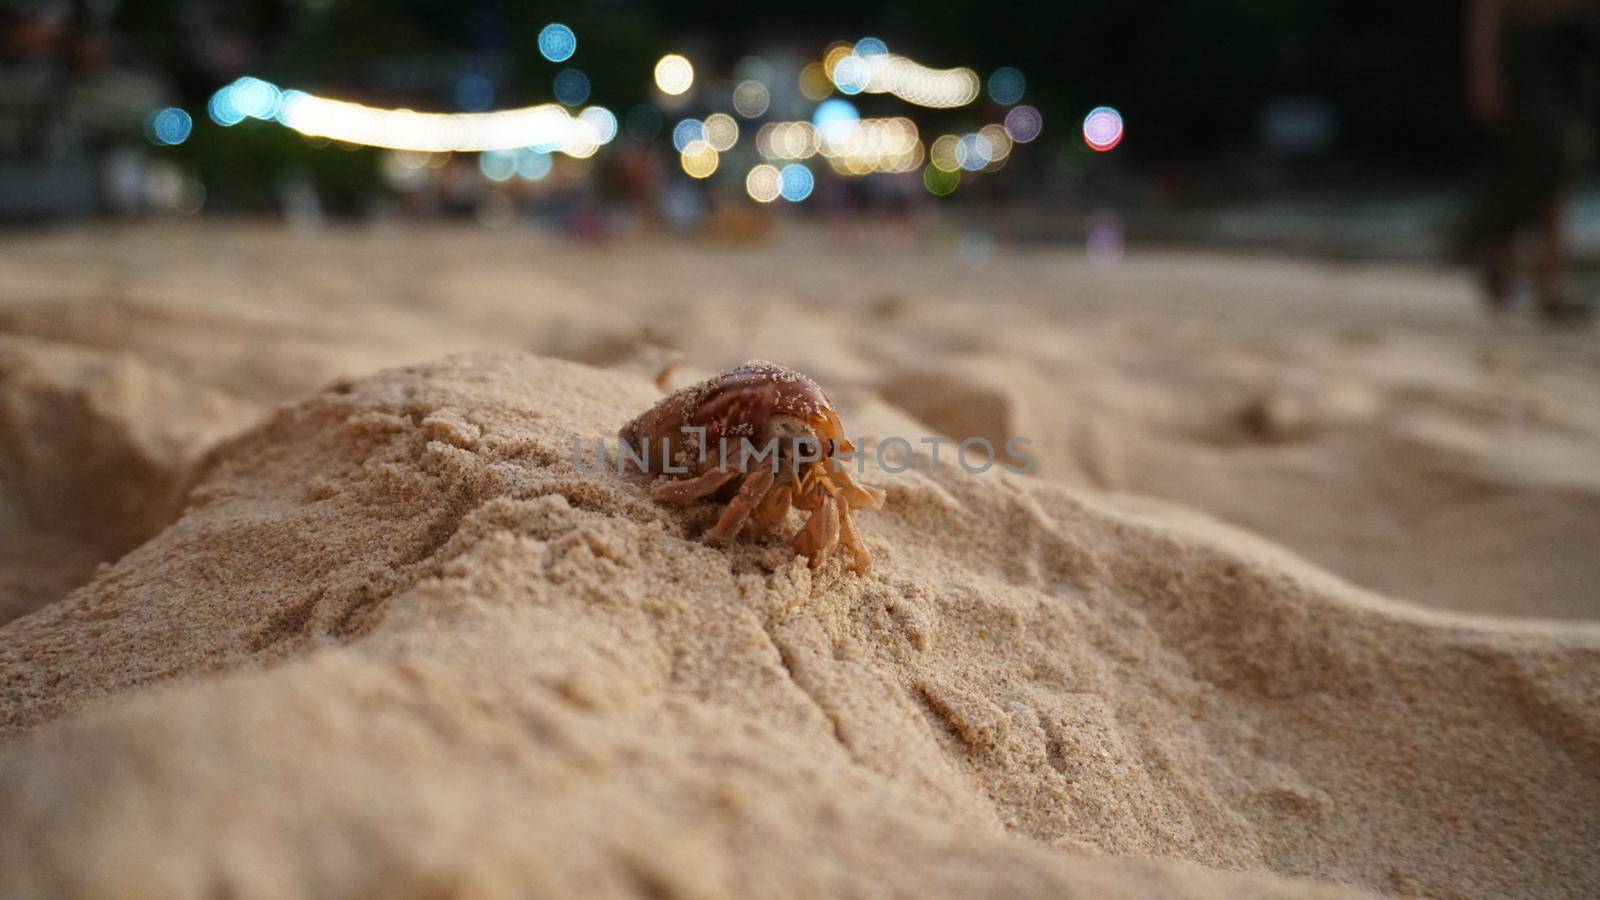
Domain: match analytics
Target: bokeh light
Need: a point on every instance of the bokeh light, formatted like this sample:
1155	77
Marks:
814	82
532	165
168	127
1006	85
797	182
572	87
286	100
687	132
886	73
852	74
973	152
674	74
699	159
1024	123
831	57
602	120
644	122
405	170
750	98
474	93
764	183
547	125
852	146
557	43
787	140
1102	128
254	98
721	131
835	119
999	141
532	142
245	98
497	165
869	47
940	182
582	144
222	111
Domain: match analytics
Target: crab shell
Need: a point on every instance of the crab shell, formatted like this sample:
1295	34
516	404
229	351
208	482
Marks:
758	401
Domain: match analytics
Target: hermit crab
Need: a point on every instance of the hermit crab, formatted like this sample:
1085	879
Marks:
764	438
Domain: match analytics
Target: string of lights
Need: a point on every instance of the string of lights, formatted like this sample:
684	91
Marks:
519	141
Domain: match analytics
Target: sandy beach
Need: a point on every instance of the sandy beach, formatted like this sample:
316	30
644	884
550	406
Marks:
302	593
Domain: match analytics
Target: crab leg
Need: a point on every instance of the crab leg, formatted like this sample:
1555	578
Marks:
755	486
772	509
689	490
820	534
804	497
852	541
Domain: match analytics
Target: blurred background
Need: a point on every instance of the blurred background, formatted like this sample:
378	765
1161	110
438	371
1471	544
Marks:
1320	126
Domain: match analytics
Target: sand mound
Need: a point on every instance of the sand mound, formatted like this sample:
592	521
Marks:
1362	415
437	656
95	448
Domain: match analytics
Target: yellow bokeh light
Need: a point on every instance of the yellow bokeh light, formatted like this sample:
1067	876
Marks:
942	153
699	159
787	140
764	183
872	145
837	51
436	133
722	132
999	142
815	83
915	83
674	74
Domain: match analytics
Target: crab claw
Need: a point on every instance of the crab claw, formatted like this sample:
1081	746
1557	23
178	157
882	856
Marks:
857	495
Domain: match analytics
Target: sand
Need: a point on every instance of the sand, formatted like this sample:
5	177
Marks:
343	631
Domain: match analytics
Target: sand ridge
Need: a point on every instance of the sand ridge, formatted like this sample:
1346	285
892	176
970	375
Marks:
398	643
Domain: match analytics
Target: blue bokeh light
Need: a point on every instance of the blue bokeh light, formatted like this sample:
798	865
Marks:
557	43
572	87
797	182
871	46
169	127
687	132
221	109
835	119
247	97
1006	86
474	93
532	164
497	165
254	98
973	152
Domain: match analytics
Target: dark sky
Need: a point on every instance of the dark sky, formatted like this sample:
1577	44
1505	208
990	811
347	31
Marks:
1192	76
